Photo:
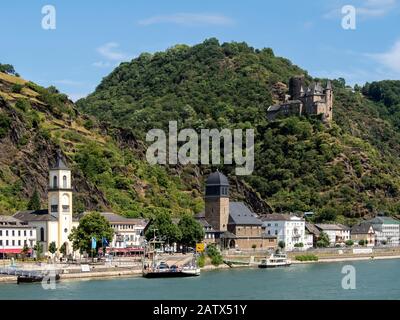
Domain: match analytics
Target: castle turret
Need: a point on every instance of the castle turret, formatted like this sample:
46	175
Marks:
60	198
217	201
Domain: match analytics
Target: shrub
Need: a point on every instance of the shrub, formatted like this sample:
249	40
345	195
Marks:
307	257
5	123
299	245
16	88
349	243
201	261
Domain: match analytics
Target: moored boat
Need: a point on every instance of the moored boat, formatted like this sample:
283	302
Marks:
275	260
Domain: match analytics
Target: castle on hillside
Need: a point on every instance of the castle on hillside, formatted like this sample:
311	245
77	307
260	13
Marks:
312	100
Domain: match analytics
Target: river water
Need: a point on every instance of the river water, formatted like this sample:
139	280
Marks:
378	279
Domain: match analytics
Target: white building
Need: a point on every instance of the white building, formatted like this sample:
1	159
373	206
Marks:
288	228
128	232
386	230
337	233
14	235
54	224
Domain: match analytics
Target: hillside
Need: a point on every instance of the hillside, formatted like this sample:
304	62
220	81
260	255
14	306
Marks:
343	172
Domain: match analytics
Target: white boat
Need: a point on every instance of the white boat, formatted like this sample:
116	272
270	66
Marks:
275	260
191	270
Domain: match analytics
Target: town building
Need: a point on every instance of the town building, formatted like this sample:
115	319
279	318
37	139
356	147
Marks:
288	228
365	232
312	234
55	223
231	224
337	233
14	235
128	233
387	230
302	100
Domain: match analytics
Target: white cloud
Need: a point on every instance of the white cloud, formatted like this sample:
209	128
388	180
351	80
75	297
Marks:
188	19
101	64
68	82
110	52
389	59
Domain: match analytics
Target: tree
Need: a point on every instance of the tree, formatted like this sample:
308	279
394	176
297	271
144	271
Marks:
323	241
91	225
25	250
349	243
281	244
191	231
166	229
52	247
39	250
214	254
254	246
63	249
34	202
361	242
7	68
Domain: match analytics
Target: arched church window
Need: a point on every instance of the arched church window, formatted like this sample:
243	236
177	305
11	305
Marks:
41	234
64	182
55	185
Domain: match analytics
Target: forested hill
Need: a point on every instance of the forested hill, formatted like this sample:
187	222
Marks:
342	172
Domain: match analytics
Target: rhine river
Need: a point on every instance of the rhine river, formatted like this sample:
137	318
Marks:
378	279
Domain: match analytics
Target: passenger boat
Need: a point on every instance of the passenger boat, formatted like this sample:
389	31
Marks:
164	271
32	279
275	260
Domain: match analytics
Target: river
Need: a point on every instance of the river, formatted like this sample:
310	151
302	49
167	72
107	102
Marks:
378	279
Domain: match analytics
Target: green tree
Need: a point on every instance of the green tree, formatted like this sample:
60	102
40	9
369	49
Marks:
7	68
214	254
281	244
323	241
191	231
34	202
52	247
63	249
91	225
361	242
349	243
38	250
254	246
165	228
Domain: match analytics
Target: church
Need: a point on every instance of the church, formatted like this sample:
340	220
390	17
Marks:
228	224
56	222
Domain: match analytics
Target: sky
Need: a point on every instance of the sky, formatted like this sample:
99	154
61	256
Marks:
92	37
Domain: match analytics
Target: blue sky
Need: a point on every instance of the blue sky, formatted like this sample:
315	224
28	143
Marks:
94	36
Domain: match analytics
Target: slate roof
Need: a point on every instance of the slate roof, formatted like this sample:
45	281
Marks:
217	179
115	218
323	226
59	165
35	215
240	214
312	229
276	217
361	228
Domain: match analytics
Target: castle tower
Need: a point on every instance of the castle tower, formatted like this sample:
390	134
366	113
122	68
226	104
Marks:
295	87
217	201
329	101
60	200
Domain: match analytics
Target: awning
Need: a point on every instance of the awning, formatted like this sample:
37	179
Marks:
13	251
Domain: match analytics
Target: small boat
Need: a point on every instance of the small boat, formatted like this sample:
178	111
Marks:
275	260
32	279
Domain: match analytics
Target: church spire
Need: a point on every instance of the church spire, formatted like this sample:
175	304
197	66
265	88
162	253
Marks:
59	165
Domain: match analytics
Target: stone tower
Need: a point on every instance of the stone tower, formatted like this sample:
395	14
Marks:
217	201
296	85
329	101
60	199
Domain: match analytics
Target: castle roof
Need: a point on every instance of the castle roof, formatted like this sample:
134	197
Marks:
217	179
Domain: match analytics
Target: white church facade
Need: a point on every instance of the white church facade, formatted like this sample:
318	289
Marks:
55	223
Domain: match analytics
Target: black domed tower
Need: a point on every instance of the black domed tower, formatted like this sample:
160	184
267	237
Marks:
217	201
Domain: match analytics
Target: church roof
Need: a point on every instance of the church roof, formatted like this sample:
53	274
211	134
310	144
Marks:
34	215
240	214
59	165
217	179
